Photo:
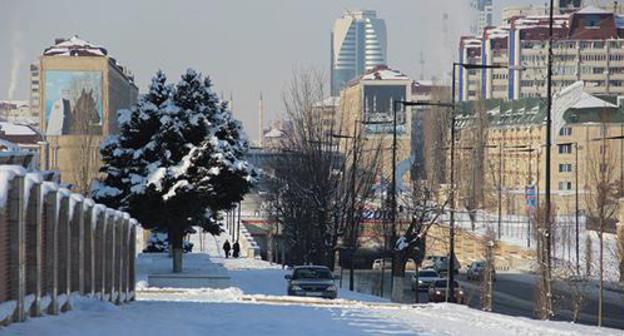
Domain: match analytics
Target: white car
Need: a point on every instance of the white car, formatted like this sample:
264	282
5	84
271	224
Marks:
410	265
430	261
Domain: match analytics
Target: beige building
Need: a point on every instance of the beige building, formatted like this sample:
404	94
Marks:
367	103
512	151
81	88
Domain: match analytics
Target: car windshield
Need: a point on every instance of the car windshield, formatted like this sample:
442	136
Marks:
428	274
312	273
442	284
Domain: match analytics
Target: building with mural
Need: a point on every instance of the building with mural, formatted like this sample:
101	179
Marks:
81	88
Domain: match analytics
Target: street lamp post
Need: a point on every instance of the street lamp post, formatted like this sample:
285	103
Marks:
353	238
450	295
576	201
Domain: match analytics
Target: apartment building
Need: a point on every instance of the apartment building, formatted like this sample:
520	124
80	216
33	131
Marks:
512	148
588	46
367	103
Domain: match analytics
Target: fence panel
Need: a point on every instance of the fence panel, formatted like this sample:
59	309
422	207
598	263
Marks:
54	243
77	243
64	250
34	245
50	248
89	251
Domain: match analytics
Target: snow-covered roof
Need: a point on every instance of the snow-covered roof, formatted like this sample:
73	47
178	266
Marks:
15	129
75	46
384	73
589	101
329	101
18	103
592	10
6	145
274	133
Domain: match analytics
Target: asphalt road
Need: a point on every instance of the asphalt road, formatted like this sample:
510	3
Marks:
513	295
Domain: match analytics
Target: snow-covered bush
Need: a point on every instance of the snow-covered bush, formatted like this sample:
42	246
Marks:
158	242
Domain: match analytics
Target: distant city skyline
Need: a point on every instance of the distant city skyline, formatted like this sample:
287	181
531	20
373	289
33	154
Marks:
206	35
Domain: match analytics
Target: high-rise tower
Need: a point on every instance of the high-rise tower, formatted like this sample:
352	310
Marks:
358	44
483	17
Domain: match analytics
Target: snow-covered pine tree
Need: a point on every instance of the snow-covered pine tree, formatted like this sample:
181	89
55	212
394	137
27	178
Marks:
124	155
187	169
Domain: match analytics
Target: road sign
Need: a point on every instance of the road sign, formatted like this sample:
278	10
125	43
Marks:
530	194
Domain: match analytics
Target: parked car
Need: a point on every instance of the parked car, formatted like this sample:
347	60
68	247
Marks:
476	270
377	263
410	265
315	281
441	266
437	291
424	279
430	261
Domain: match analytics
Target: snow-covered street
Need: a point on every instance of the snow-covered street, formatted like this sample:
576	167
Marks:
256	304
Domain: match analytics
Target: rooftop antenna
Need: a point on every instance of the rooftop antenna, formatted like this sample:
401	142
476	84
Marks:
421	61
261	121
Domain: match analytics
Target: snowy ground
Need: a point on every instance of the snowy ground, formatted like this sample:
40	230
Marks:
255	304
515	230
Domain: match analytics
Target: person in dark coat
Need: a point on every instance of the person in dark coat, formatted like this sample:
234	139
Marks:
236	250
226	248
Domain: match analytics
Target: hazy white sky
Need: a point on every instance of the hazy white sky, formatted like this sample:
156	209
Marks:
246	46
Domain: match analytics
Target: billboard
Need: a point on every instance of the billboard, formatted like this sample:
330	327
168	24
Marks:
73	102
378	113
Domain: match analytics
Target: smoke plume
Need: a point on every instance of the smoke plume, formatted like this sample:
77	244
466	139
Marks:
16	63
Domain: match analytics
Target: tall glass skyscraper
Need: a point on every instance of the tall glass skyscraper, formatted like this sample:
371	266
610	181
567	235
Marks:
358	44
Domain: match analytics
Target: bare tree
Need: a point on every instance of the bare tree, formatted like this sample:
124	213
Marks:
423	211
84	127
436	122
589	255
489	245
543	294
471	172
602	201
319	184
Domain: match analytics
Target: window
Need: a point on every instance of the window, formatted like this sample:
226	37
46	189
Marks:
565	131
565	185
591	21
565	149
565	167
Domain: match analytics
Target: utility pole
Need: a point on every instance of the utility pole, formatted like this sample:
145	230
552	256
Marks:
546	257
352	213
576	206
450	289
500	188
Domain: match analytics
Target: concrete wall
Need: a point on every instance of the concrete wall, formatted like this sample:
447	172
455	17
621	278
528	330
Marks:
470	247
51	246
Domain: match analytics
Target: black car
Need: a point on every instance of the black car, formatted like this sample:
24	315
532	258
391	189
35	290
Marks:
437	291
314	281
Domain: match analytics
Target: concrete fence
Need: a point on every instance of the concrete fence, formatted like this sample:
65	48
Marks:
56	245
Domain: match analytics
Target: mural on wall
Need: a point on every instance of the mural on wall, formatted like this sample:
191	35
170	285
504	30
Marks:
73	102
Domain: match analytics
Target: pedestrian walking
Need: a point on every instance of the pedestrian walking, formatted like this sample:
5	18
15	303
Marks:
236	250
226	248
